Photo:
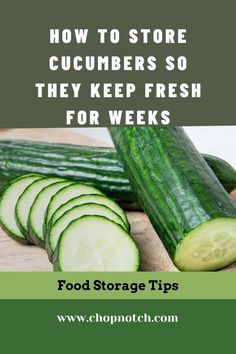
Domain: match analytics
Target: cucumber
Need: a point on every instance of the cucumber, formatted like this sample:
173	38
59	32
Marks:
26	200
63	196
8	202
95	243
90	198
95	166
185	202
76	212
223	171
38	211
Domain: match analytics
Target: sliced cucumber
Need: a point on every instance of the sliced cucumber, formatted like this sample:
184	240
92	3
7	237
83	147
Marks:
196	252
95	243
38	211
26	200
90	198
61	224
8	204
67	193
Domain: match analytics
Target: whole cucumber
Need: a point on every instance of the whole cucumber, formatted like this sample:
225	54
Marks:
185	202
95	166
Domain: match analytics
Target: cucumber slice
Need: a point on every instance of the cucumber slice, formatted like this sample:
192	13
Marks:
65	195
61	224
26	200
38	211
196	252
8	204
90	198
95	243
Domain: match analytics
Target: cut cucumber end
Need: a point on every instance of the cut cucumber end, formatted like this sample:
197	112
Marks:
210	246
95	243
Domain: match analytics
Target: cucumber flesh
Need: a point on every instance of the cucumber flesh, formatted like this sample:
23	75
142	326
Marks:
90	198
8	204
196	252
80	210
26	200
38	210
95	243
67	193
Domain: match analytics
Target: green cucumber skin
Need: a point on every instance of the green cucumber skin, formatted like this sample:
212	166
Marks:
175	186
16	238
34	239
223	170
95	166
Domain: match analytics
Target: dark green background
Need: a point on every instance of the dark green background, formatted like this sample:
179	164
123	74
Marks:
205	326
25	50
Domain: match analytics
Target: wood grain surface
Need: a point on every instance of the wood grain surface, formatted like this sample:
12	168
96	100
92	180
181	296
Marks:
17	257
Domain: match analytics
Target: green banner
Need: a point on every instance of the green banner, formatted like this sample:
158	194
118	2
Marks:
199	326
148	285
185	47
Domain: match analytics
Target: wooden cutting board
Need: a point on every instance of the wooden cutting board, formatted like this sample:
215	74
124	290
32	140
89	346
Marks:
17	257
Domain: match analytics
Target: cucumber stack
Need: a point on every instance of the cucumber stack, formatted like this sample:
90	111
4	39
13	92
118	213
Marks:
81	229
